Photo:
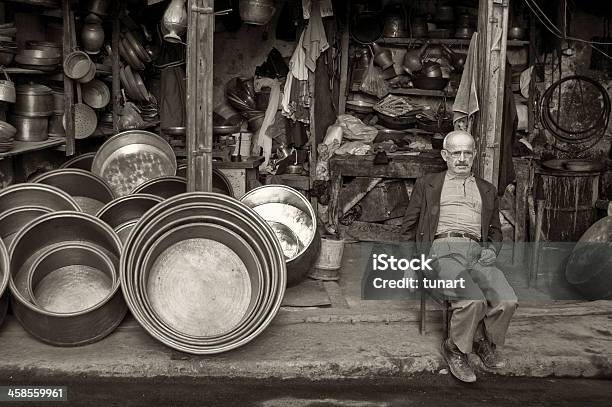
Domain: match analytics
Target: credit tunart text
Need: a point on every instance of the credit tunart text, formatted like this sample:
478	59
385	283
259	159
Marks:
384	262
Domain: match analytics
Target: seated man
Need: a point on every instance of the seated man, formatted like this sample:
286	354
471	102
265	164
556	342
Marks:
454	216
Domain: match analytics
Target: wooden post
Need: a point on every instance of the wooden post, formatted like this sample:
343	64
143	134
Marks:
68	47
344	61
312	134
492	29
200	32
116	100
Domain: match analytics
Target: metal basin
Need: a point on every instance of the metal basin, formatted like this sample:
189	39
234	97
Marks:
12	221
291	216
82	162
89	191
122	213
163	187
220	183
131	158
219	210
63	329
31	194
199	279
71	277
187	214
4	280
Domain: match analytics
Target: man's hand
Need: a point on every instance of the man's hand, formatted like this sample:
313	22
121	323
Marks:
487	257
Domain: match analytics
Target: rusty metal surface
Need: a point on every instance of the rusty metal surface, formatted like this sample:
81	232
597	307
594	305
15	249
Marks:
131	158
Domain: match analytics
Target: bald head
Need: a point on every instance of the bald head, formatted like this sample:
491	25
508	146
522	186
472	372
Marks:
458	138
458	152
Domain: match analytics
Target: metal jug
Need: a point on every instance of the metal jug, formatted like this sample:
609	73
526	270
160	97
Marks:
413	59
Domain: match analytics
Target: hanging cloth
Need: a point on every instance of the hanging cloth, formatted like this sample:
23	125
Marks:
466	101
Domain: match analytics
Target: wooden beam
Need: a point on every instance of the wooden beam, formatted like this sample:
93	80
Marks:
200	35
344	61
116	86
68	47
493	28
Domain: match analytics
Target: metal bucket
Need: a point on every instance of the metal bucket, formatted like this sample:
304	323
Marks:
569	203
294	222
64	329
203	208
89	191
72	277
163	187
122	213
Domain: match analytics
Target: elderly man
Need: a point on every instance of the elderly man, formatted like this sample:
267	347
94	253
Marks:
454	216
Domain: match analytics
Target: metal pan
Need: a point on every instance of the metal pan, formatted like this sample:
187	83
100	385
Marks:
139	50
31	194
89	191
12	221
64	329
131	158
127	209
214	264
82	162
290	215
256	228
4	280
163	187
72	277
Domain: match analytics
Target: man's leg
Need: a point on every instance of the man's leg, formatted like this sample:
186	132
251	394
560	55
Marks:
502	303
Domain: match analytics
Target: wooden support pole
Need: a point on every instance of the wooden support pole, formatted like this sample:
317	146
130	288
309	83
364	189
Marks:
492	29
200	32
116	100
68	47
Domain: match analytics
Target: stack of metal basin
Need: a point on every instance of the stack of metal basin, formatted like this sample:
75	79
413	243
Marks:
4	279
123	213
64	278
294	222
203	273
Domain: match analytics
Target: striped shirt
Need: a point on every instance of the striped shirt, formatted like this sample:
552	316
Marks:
460	206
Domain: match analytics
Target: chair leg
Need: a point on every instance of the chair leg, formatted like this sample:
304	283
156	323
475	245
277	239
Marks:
422	326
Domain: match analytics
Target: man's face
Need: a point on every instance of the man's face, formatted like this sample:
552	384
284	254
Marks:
459	155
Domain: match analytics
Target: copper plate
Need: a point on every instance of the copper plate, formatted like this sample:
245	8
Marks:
131	158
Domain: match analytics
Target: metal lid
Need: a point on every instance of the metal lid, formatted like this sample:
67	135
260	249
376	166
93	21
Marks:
33	89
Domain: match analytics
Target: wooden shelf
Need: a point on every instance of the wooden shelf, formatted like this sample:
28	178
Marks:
21	147
249	162
414	92
447	41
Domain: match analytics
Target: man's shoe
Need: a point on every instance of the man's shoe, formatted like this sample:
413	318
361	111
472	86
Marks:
486	352
457	363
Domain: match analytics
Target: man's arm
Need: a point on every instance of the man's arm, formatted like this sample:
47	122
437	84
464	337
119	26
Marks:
413	212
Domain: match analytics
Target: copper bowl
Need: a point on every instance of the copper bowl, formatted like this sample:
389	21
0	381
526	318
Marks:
31	194
12	221
122	213
82	162
163	187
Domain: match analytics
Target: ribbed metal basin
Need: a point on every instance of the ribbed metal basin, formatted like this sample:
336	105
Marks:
71	277
12	221
122	213
4	280
189	213
53	230
294	222
164	187
89	191
82	162
131	158
30	194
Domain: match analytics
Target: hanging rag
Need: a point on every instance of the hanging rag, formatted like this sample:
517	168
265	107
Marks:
262	139
466	101
313	41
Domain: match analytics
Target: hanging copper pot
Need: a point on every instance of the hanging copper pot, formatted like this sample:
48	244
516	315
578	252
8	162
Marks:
92	34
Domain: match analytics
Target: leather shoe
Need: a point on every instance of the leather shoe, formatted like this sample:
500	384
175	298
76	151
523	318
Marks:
457	362
486	352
